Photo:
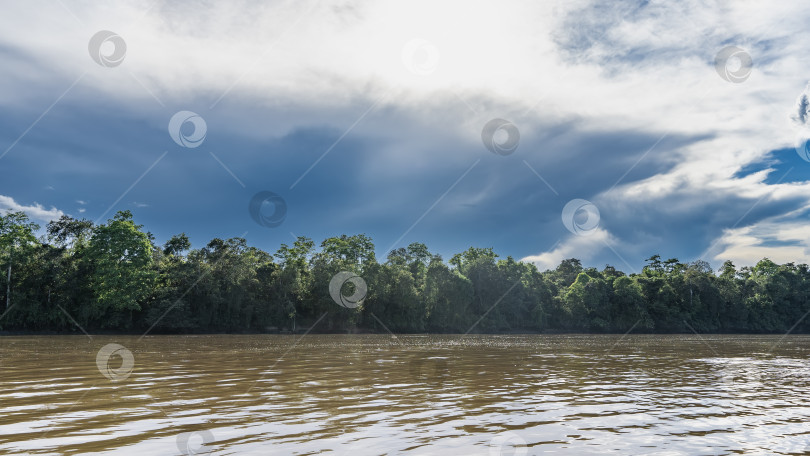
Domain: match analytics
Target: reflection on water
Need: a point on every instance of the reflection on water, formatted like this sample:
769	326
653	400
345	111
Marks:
419	395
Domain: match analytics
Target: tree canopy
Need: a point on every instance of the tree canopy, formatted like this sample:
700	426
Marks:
113	277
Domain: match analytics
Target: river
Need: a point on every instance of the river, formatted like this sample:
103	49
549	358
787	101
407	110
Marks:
413	395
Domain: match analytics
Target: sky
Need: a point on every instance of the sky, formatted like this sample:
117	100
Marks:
545	130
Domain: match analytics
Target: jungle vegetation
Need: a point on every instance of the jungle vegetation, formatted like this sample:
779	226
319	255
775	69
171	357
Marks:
113	277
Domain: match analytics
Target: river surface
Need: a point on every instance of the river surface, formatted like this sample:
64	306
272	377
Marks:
412	395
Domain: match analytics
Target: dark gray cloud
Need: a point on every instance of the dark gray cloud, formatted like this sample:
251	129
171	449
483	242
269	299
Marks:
94	151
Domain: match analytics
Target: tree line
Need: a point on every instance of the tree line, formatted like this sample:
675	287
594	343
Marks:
113	277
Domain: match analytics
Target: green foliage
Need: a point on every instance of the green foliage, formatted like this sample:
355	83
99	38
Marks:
178	244
113	277
121	256
18	245
67	231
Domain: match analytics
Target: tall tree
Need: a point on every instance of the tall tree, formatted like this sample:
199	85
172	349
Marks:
16	240
122	277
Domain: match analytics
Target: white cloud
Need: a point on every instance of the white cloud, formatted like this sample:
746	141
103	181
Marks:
581	247
748	245
36	212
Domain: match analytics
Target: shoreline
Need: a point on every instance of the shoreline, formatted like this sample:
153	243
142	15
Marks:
372	333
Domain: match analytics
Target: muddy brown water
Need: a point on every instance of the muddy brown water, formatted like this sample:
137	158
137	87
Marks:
412	395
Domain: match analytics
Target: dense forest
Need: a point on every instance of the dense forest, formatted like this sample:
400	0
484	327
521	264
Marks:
112	277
